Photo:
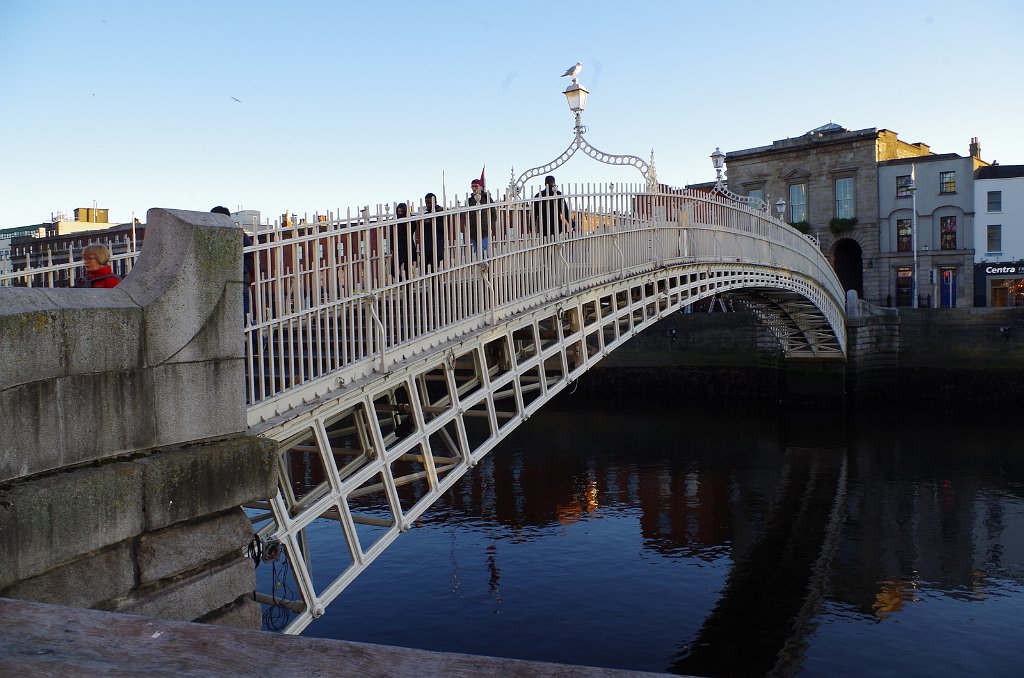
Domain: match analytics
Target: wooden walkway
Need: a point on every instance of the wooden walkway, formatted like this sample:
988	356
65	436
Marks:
48	640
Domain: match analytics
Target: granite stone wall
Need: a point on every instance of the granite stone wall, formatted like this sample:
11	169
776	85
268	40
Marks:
123	457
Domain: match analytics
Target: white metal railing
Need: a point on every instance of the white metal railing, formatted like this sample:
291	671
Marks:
63	267
335	300
338	298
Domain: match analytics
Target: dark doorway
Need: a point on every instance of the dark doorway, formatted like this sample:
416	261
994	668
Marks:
849	266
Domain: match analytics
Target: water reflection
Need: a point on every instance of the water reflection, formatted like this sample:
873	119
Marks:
657	536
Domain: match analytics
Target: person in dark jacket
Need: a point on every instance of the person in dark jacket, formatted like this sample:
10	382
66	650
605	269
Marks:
402	240
551	212
98	271
481	222
433	227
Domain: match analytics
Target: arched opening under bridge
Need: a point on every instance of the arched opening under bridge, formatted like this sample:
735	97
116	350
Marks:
849	265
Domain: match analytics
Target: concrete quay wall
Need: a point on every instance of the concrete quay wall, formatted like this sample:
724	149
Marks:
970	356
123	458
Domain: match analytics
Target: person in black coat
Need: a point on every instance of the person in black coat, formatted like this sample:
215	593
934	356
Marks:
402	240
551	212
432	247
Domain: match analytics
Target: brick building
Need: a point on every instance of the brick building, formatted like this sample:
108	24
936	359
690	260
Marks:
829	180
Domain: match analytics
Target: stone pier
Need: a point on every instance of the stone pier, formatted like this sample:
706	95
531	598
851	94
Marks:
123	454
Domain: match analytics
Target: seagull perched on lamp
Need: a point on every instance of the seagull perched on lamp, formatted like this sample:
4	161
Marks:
574	72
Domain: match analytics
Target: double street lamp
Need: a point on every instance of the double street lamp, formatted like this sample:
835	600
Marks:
718	160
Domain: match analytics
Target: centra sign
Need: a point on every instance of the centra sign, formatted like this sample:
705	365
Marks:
1004	270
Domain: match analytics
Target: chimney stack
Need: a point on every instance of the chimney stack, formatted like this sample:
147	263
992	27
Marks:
975	148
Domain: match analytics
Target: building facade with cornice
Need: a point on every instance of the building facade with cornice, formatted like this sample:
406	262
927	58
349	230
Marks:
828	178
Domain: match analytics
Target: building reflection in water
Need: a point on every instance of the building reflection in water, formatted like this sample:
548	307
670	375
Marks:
812	515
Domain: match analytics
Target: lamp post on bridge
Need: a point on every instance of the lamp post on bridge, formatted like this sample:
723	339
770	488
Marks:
576	96
780	208
718	160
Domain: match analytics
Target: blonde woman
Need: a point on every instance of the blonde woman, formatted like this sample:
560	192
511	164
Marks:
98	273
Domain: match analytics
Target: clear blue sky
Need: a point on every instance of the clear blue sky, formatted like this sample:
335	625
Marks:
129	103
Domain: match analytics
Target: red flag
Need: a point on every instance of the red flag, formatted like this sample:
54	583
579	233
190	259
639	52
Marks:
483	182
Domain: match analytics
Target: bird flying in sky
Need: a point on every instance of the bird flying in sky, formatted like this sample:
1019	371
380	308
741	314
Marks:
237	99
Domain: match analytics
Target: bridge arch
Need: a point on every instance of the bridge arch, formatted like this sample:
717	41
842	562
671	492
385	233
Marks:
367	449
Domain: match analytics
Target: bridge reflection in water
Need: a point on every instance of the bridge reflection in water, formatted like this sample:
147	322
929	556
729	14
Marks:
670	537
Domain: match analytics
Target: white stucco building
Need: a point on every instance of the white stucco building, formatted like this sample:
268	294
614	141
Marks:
999	236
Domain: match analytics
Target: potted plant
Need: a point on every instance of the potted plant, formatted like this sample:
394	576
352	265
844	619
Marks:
841	224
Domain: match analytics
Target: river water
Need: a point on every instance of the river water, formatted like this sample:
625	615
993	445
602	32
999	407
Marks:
720	541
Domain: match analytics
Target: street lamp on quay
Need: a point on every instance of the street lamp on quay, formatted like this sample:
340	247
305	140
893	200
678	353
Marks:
912	187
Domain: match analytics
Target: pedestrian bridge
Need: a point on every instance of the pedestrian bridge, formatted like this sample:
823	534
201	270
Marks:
387	374
387	354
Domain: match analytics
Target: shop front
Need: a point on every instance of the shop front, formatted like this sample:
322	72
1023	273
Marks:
1002	284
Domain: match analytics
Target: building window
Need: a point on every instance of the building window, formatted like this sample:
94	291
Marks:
798	202
947	233
947	182
995	201
903	186
757	193
995	239
844	198
904	236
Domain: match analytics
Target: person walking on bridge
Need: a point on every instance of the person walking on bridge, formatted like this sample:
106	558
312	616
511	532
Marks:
432	229
482	220
402	241
551	212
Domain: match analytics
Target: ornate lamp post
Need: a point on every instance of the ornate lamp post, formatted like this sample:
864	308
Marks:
576	97
718	160
780	208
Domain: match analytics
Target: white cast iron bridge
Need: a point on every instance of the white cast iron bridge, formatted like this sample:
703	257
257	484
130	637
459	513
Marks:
386	374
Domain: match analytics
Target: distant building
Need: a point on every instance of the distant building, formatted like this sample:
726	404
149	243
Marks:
828	178
248	220
7	236
945	229
999	236
62	240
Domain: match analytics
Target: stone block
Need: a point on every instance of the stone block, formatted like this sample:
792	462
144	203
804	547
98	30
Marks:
181	279
28	317
221	338
205	479
105	335
191	597
106	414
84	582
244	613
80	418
186	546
31	436
199	400
55	519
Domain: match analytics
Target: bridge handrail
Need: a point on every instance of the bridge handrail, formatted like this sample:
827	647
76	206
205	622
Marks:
331	303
